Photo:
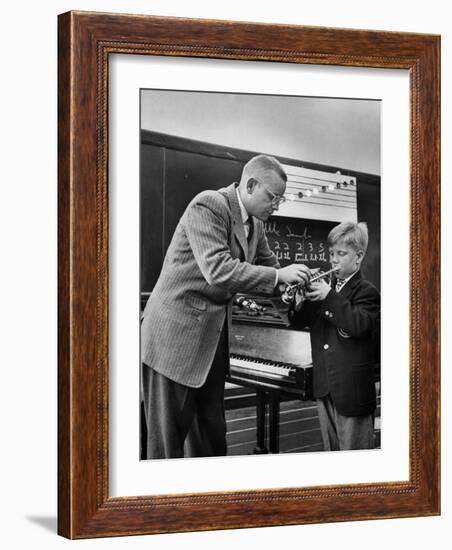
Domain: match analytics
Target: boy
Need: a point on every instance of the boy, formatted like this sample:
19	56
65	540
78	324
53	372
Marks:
344	321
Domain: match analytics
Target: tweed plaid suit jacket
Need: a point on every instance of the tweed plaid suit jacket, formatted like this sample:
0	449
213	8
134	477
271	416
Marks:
208	260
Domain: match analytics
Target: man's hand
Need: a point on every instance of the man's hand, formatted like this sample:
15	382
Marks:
317	291
294	273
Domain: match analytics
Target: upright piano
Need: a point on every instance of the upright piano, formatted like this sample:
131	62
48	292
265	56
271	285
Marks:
272	359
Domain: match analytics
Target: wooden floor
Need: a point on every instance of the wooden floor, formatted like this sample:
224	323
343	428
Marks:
299	426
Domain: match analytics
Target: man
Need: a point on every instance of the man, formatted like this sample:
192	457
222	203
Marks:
219	248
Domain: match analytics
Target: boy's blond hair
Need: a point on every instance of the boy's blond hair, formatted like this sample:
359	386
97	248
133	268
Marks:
353	234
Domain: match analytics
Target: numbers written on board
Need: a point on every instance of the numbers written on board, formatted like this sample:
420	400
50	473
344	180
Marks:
305	251
299	241
282	251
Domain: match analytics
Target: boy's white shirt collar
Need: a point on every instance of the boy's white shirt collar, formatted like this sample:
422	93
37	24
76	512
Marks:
348	279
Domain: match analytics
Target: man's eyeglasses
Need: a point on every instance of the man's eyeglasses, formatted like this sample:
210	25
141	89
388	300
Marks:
276	199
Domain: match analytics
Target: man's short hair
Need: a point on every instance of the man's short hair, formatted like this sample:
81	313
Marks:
263	163
353	234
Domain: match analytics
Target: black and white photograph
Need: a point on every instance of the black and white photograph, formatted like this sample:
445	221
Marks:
260	303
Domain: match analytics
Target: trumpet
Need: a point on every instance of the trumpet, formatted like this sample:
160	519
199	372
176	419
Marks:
288	295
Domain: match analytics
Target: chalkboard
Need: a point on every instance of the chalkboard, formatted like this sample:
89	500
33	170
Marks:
299	241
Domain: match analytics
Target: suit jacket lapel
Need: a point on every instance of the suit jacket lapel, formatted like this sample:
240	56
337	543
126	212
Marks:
237	222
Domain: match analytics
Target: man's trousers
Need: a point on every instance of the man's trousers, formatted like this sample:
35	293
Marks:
183	421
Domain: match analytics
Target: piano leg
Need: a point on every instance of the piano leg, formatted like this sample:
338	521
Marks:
274	422
260	423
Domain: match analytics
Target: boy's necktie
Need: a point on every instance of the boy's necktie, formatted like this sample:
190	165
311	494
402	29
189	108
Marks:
339	284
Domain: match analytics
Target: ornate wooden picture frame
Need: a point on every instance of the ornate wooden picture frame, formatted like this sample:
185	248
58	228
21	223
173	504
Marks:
86	40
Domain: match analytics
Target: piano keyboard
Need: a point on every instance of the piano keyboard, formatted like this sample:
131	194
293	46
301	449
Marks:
262	366
263	374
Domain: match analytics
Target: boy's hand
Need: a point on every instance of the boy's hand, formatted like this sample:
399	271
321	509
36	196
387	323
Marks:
318	291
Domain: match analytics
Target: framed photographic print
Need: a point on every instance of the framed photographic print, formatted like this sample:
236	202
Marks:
214	178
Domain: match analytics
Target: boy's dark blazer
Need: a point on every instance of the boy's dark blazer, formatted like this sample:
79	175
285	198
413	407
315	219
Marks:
344	338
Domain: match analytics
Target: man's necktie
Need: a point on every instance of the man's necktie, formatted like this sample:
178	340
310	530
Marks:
339	284
248	226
